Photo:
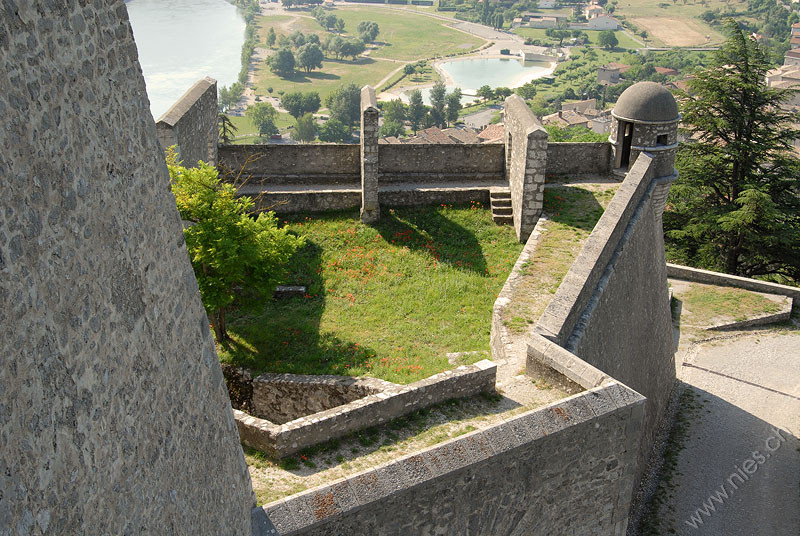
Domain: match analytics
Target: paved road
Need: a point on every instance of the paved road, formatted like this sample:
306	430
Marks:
739	473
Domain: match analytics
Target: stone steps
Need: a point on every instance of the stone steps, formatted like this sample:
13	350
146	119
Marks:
502	213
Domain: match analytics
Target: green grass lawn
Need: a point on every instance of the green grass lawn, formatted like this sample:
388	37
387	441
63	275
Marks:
573	212
247	133
707	302
388	300
625	42
407	36
334	73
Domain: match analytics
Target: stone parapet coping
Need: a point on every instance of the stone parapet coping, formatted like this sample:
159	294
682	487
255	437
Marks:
314	507
395	401
716	278
572	297
565	362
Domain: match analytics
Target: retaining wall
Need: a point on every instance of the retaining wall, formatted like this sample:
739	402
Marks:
391	402
612	308
567	468
191	124
571	159
115	418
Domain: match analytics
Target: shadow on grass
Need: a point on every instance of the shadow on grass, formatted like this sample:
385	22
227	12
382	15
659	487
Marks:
284	335
572	206
430	231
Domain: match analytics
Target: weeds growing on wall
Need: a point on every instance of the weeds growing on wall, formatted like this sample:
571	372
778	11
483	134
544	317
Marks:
386	300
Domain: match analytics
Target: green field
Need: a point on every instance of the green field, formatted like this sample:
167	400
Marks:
247	133
386	300
404	36
334	73
539	33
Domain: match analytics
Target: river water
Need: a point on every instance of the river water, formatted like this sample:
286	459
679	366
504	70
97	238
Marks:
181	41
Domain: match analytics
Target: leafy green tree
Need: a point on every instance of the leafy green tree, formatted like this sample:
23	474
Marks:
297	38
271	37
607	39
736	204
237	259
306	129
339	25
526	91
409	69
437	96
573	134
353	48
453	100
282	62
394	111
485	92
334	131
226	129
345	104
263	115
368	31
311	102
416	110
309	57
292	102
391	128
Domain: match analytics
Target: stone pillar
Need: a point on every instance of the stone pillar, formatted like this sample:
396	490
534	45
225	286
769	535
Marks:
526	157
370	208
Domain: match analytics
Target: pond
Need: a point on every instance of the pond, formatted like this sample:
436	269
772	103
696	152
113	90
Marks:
181	41
470	74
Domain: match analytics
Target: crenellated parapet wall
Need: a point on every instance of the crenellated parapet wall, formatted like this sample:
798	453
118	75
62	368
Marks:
191	124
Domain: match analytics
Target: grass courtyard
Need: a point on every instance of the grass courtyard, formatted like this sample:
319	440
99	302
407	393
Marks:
387	300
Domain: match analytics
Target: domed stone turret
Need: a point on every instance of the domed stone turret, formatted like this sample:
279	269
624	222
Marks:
645	118
647	102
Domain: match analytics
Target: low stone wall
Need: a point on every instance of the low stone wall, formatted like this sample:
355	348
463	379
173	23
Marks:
393	402
500	339
573	159
191	124
716	278
291	164
280	398
422	163
564	468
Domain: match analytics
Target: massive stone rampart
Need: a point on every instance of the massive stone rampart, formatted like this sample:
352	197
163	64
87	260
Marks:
114	418
191	124
612	308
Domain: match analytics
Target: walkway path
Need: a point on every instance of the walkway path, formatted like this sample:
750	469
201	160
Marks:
739	470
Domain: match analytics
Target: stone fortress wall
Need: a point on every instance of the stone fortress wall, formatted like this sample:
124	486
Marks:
114	382
114	417
191	124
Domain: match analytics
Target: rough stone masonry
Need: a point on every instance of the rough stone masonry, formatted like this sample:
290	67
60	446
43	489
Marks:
114	418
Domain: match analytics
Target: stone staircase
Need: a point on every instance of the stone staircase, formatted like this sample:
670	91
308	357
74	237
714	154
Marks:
502	213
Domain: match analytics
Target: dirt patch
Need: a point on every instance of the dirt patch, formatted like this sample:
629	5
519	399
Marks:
674	32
